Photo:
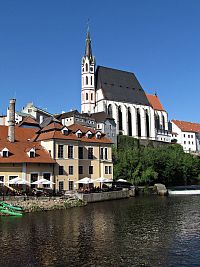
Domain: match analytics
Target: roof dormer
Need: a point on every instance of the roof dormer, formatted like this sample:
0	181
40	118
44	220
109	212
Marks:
98	135
5	153
65	131
89	134
31	153
79	133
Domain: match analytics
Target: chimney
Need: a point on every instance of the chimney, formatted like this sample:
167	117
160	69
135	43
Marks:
11	121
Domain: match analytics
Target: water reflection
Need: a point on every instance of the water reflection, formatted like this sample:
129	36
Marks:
151	231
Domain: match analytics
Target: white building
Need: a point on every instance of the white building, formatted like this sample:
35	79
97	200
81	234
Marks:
37	113
120	95
188	135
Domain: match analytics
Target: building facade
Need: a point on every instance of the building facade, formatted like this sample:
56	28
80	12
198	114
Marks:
119	94
187	135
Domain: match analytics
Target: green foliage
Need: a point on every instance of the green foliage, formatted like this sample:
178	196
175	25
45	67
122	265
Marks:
141	165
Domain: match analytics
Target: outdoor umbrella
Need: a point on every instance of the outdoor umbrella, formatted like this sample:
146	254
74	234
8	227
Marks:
122	180
48	182
41	181
102	180
1	182
14	181
85	180
22	182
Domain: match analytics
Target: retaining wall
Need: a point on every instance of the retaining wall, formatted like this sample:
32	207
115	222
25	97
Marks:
103	196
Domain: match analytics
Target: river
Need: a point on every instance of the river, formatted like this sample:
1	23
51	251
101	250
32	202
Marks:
141	231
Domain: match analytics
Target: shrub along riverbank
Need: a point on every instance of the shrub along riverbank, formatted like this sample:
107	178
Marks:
145	165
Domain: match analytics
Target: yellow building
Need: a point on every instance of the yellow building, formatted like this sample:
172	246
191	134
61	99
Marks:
23	158
79	152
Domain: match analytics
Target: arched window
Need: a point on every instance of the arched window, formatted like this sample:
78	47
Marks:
147	124
110	110
120	120
157	121
86	66
138	123
163	119
91	80
86	96
86	80
129	122
91	96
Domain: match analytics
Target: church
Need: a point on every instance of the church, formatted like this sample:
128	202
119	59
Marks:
120	95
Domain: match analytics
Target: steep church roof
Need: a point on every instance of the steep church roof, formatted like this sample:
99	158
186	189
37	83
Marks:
120	86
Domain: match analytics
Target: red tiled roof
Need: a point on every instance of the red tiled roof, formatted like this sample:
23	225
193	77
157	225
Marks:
52	126
18	149
57	134
187	126
155	102
30	121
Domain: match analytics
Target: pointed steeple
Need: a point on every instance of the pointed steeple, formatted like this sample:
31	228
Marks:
88	48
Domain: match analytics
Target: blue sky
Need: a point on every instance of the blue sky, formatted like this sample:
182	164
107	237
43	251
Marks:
42	42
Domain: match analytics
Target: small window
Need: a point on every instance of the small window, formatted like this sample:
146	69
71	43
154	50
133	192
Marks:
80	169
101	153
91	96
86	80
188	136
71	170
91	80
29	110
90	169
90	153
61	170
70	152
60	151
184	142
86	96
106	169
32	154
5	154
61	186
110	169
106	153
80	152
184	135
71	185
86	66
189	142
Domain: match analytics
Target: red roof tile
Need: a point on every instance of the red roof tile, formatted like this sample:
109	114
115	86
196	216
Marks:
18	149
57	134
187	126
155	102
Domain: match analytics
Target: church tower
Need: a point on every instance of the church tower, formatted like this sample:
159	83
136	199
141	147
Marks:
88	79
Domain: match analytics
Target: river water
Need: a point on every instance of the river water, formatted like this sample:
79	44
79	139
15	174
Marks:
141	231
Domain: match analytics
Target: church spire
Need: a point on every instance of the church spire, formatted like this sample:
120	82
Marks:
88	48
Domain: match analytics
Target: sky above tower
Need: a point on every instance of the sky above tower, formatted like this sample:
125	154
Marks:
42	43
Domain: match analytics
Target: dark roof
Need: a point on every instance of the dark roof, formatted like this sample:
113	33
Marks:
48	121
120	86
101	116
67	114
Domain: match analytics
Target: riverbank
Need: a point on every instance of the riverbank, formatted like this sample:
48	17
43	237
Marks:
45	203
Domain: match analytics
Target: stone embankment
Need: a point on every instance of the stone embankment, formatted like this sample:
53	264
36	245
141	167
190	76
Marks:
45	203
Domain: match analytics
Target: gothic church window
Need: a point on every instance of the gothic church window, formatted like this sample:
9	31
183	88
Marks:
129	122
91	96
86	66
86	96
138	123
86	80
120	120
91	80
147	124
110	110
